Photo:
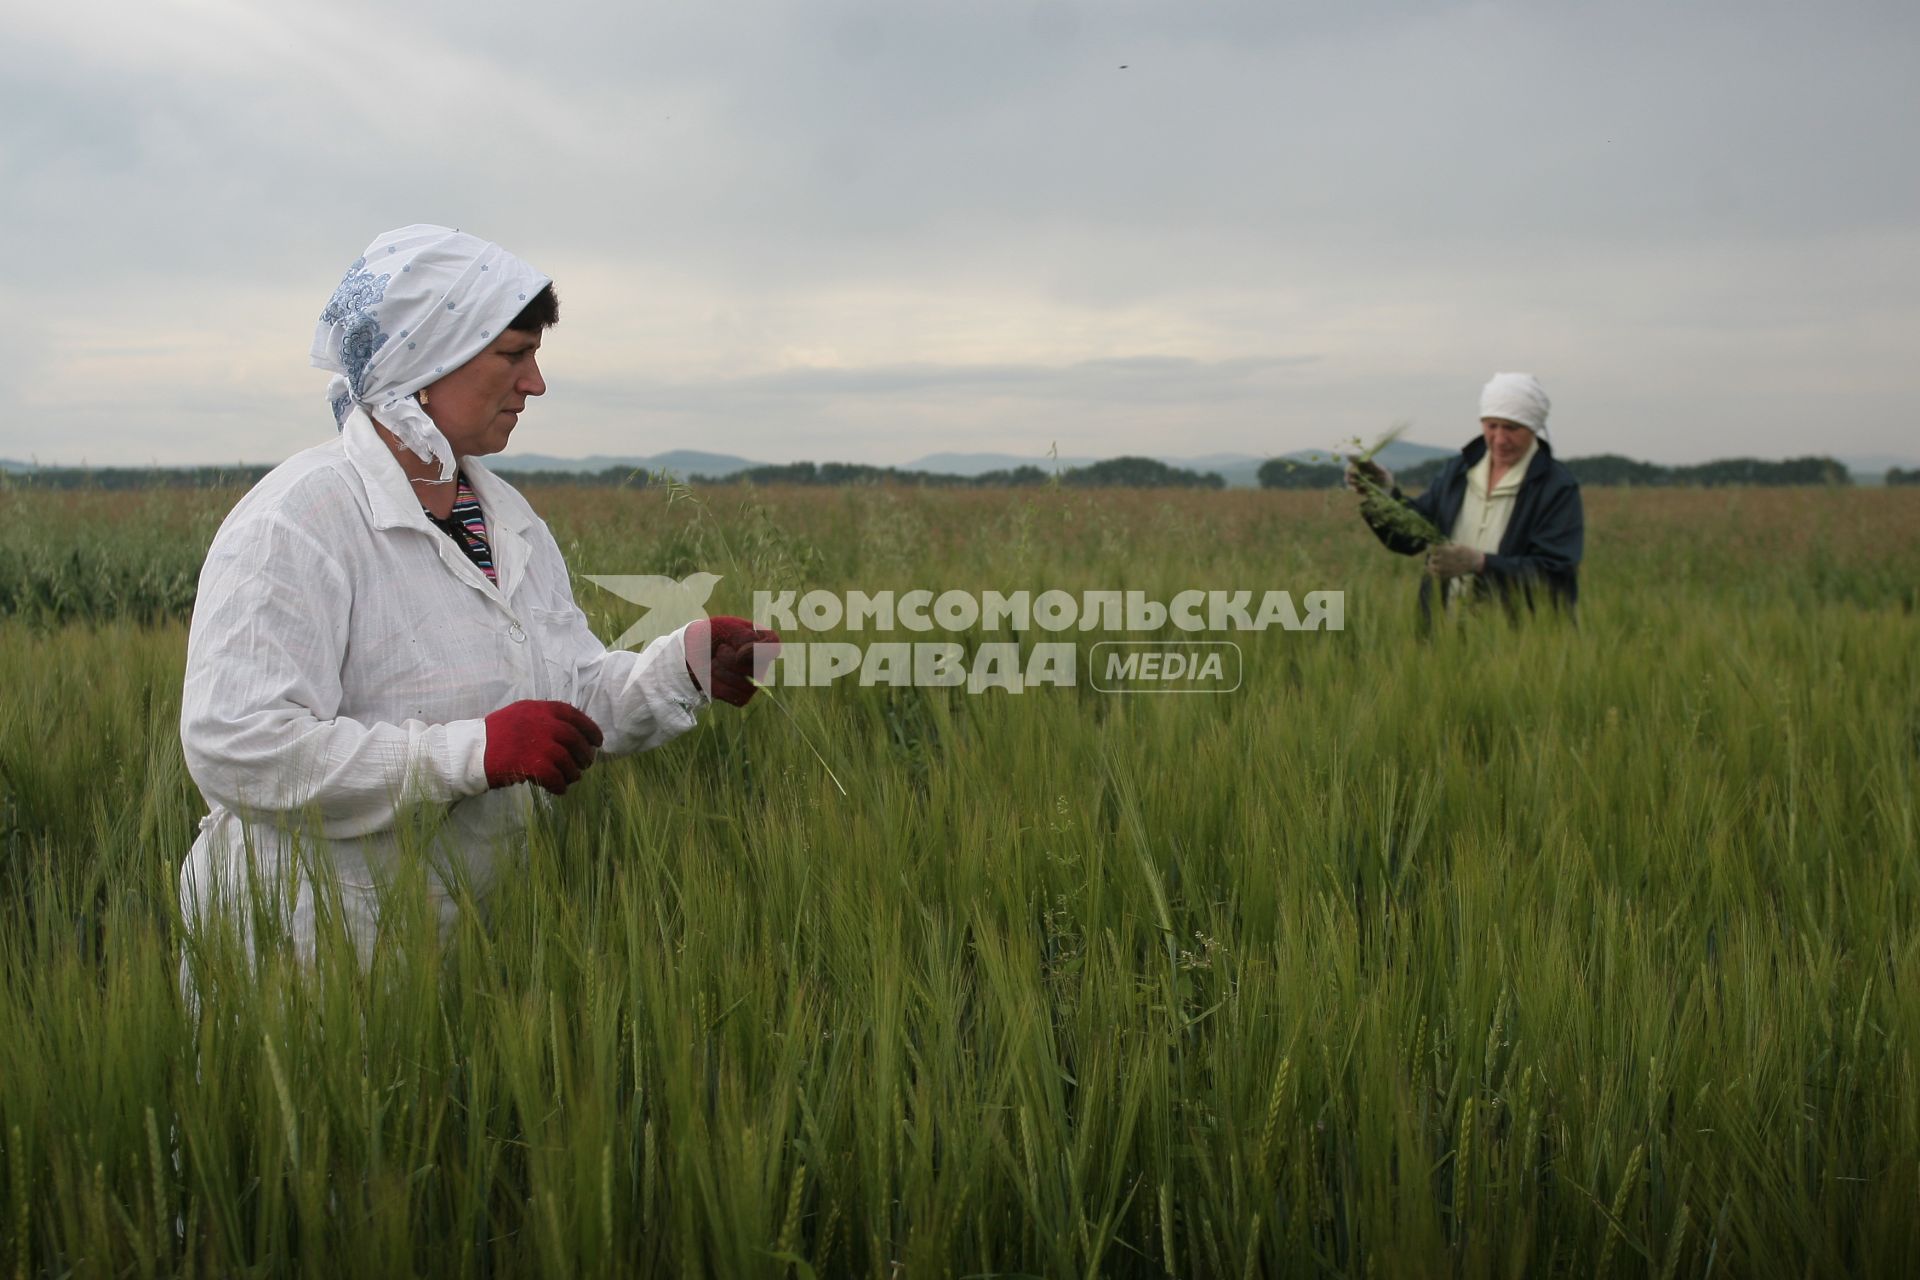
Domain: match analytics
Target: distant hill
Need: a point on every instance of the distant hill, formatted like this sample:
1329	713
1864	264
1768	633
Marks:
8	464
681	462
1238	475
1239	470
1872	468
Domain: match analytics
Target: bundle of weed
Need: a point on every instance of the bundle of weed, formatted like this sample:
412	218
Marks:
1385	510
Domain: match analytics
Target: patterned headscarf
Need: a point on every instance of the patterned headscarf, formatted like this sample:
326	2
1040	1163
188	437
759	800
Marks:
418	304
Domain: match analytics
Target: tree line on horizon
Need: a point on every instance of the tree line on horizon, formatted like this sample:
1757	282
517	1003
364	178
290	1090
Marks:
1115	473
1600	470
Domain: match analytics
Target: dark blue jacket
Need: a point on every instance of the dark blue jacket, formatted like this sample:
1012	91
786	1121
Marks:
1544	538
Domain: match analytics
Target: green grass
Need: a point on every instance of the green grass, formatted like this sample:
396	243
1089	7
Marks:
1516	952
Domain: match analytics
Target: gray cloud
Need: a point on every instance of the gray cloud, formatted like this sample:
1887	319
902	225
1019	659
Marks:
1126	378
898	229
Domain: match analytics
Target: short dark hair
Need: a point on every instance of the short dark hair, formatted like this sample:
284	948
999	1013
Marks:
540	314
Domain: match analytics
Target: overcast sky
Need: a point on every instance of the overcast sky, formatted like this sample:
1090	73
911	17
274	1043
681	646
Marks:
873	231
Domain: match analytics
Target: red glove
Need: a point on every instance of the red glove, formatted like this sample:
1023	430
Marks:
548	743
724	656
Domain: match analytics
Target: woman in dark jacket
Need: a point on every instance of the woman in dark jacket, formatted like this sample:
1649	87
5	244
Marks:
1510	507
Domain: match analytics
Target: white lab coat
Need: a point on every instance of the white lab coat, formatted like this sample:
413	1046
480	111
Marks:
343	656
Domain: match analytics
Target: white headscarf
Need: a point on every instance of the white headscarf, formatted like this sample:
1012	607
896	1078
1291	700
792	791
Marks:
1517	397
421	302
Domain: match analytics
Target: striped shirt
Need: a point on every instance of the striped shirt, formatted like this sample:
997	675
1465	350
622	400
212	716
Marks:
467	526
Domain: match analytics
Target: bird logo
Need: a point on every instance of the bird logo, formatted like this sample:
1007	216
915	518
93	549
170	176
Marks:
669	605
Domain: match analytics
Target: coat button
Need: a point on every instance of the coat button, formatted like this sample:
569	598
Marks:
519	636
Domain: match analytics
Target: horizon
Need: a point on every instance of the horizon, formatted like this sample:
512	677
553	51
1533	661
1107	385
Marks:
1856	463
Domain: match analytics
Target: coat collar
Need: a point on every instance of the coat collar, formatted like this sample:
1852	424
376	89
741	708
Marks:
1475	449
390	494
394	505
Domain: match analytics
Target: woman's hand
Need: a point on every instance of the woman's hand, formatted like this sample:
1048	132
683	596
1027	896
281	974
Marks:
726	655
1454	561
1373	471
549	744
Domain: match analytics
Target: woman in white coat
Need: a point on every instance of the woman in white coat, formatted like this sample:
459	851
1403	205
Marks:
383	624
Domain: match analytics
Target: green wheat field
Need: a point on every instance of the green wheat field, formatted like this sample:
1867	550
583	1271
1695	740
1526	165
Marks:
1532	951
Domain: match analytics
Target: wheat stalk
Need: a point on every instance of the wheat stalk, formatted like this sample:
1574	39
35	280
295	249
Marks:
768	690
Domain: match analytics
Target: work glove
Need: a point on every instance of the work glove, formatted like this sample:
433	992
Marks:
547	743
725	655
1454	561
